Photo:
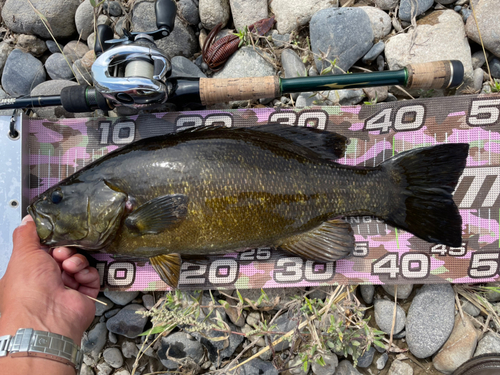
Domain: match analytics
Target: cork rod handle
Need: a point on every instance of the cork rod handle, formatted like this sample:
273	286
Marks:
219	90
435	75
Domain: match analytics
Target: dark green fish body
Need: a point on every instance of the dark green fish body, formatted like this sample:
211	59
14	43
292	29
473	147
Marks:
217	190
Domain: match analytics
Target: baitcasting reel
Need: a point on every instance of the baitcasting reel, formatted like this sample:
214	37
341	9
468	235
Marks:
128	72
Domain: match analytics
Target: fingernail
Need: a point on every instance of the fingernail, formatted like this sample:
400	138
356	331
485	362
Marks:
76	261
84	271
26	219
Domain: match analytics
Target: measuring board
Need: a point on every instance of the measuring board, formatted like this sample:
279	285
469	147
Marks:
383	255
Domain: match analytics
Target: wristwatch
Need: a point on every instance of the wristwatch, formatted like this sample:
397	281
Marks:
30	343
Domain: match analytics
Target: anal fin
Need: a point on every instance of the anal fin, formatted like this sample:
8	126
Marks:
168	267
332	240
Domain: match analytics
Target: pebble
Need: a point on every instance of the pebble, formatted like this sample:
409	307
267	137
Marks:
384	315
57	67
297	367
291	14
5	50
367	358
121	298
430	319
346	368
213	12
246	12
490	343
283	324
22	72
466	14
259	339
331	363
353	36
292	64
236	316
95	339
113	8
182	67
386	4
188	9
122	372
413	8
148	301
491	295
20	18
86	370
382	361
280	40
246	63
112	338
31	44
477	78
400	368
376	94
380	63
404	290
75	50
445	2
487	14
104	369
258	367
478	59
113	357
84	19
129	349
179	345
380	21
459	348
83	76
373	53
127	322
234	342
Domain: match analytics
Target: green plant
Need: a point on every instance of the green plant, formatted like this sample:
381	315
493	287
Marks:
495	85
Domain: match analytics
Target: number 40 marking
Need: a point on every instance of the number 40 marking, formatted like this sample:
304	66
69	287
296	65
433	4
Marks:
405	118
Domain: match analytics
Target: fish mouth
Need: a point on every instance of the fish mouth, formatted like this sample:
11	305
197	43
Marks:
44	225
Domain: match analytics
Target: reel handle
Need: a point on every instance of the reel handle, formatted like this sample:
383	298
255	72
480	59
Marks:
166	11
104	33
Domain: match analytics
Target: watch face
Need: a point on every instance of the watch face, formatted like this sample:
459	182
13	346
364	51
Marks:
486	364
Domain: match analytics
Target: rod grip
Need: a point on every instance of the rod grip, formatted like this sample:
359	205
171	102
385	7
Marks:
220	90
435	75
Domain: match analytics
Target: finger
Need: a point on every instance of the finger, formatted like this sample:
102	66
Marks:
60	254
69	281
89	291
75	264
87	276
25	237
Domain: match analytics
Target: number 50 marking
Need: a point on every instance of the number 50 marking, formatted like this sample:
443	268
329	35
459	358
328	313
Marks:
483	264
484	112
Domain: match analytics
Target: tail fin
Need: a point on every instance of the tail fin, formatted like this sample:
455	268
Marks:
424	180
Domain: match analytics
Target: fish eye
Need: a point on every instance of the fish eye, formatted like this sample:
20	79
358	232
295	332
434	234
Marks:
56	196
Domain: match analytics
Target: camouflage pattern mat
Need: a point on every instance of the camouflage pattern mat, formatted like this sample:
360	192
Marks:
382	255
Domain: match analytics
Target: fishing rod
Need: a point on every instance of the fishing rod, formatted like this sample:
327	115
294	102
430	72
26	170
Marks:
133	72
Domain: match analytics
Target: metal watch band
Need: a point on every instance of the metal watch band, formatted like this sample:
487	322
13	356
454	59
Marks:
28	342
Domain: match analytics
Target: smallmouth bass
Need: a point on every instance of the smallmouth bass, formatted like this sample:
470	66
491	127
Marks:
215	190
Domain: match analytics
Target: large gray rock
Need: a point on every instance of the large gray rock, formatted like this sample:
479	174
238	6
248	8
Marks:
31	44
127	322
459	348
57	67
430	319
179	345
188	9
439	36
22	72
258	367
95	339
246	12
291	14
20	17
5	50
384	311
380	21
400	368
246	63
84	19
183	67
113	357
490	343
413	8
181	42
213	12
345	32
487	14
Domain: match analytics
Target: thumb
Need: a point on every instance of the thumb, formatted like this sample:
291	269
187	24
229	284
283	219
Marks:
25	237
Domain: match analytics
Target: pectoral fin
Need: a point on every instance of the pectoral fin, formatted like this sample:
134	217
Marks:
168	267
158	214
331	241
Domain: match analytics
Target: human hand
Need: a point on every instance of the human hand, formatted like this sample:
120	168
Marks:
33	293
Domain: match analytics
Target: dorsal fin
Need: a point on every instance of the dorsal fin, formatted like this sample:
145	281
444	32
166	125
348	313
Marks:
320	143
